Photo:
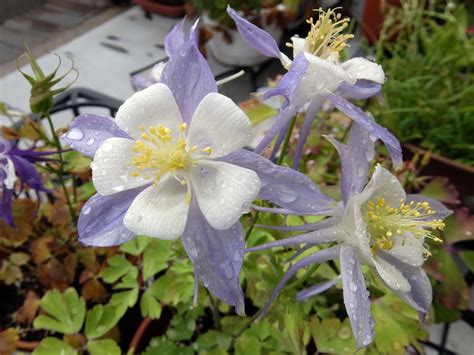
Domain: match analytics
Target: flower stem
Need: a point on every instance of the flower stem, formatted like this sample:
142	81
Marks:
60	174
284	147
215	312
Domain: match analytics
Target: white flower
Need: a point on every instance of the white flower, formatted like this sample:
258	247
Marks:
379	219
176	162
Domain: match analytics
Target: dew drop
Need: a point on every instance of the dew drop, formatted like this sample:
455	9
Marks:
75	134
352	286
90	141
86	210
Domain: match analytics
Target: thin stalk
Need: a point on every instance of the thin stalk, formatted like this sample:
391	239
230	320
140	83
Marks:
284	147
215	312
60	174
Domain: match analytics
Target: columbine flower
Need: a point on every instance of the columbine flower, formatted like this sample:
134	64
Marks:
316	76
170	164
378	224
17	163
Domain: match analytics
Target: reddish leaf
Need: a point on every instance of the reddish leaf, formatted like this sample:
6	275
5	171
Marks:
27	312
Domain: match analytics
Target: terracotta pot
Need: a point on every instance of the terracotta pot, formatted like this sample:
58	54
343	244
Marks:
227	46
156	7
373	18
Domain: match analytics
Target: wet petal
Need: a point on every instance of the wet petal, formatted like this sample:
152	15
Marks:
6	205
362	89
223	191
219	123
150	107
189	78
409	250
420	295
174	40
217	256
112	168
101	220
159	211
255	37
355	160
392	276
286	187
87	132
361	68
356	296
384	184
27	173
374	129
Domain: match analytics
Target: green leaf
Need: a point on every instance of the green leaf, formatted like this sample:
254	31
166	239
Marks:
332	336
66	312
296	329
129	280
163	346
155	257
52	345
212	340
103	347
136	245
149	305
118	267
248	345
101	319
468	258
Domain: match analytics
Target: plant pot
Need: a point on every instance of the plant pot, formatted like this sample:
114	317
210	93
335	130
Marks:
162	8
228	47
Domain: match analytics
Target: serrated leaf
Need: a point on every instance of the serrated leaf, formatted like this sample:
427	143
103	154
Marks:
129	280
155	257
135	246
149	305
66	312
52	345
103	347
118	267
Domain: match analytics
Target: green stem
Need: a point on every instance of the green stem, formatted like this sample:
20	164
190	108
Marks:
284	147
60	174
246	326
215	312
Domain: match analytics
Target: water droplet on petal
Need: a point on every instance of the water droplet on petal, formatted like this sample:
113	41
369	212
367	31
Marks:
86	209
75	134
90	141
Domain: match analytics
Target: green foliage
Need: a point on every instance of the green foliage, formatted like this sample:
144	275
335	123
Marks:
52	345
65	312
103	347
427	98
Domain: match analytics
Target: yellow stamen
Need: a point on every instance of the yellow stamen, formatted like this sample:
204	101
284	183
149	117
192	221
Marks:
326	39
386	223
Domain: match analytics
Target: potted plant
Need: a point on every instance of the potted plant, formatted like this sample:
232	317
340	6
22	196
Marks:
221	37
169	8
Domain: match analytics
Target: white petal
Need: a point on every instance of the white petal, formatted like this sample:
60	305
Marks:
298	45
10	174
159	211
322	75
391	275
219	123
361	68
408	250
150	107
386	185
112	168
223	191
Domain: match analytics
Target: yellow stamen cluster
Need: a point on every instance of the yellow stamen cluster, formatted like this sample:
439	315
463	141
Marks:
386	223
326	39
158	152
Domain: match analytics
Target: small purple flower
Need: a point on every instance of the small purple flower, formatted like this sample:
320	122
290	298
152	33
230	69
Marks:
16	164
376	223
316	76
171	164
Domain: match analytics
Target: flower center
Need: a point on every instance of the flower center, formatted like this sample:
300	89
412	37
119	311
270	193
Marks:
325	38
158	153
386	223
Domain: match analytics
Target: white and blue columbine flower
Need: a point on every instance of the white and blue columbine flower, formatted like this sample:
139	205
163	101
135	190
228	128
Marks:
17	164
171	164
376	223
315	76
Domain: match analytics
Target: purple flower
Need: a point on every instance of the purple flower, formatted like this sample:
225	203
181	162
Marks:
316	76
376	223
171	164
16	164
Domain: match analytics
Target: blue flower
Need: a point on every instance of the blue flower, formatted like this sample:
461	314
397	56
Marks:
16	163
315	76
